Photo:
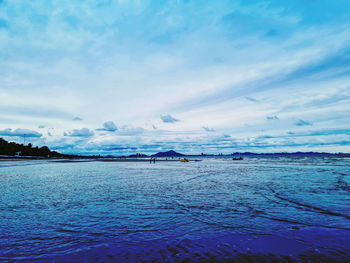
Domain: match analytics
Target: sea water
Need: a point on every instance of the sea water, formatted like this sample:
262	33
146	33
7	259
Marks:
256	209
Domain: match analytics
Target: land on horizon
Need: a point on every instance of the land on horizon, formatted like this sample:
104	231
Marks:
15	150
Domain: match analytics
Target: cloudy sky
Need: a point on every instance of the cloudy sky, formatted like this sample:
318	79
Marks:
126	76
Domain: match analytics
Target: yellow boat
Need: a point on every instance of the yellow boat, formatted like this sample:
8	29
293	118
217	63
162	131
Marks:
184	160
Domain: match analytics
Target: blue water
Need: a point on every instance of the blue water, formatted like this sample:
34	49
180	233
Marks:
260	209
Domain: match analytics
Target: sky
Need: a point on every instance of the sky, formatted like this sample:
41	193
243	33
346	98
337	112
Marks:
115	77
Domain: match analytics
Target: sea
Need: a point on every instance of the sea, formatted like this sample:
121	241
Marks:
259	209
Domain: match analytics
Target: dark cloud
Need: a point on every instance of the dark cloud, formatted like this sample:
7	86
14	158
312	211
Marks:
168	119
77	119
118	148
302	123
323	132
272	118
208	129
19	133
330	132
251	99
84	132
63	147
108	126
41	126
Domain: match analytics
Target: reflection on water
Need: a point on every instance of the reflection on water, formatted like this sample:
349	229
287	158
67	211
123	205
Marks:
257	209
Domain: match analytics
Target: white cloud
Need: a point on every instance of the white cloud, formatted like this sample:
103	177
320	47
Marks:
19	133
84	132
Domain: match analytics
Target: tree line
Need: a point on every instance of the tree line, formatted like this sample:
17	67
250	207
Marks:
12	148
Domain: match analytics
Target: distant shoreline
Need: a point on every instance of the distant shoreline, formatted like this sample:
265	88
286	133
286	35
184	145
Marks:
85	159
159	159
14	151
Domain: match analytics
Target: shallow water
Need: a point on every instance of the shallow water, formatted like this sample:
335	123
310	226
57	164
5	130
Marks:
259	208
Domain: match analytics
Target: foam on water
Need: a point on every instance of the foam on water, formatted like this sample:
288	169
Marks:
261	209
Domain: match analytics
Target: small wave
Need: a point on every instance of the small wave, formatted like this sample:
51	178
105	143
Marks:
69	231
303	223
321	210
342	185
192	178
312	207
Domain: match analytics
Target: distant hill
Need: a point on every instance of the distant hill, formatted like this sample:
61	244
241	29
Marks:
138	155
168	154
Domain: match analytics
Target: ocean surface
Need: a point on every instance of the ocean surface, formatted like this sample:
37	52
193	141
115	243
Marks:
254	210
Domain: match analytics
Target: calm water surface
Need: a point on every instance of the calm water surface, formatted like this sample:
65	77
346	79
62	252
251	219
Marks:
258	209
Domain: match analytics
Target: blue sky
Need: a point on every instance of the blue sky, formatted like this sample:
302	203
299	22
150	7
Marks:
123	76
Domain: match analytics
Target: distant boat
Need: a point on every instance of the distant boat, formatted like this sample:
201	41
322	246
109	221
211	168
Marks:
237	158
184	160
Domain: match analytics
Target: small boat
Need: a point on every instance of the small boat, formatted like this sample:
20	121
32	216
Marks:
184	160
237	158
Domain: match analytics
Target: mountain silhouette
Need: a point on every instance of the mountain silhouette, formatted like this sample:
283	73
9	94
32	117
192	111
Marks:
168	154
